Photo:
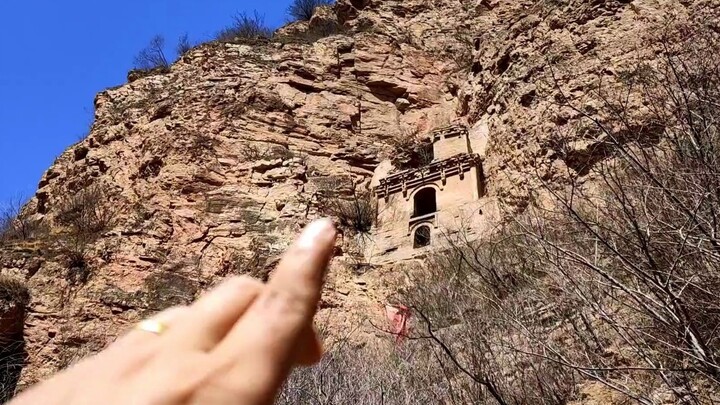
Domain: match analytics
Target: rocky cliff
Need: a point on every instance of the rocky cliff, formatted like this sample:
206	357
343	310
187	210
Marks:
209	169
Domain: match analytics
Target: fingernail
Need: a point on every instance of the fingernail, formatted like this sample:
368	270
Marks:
319	231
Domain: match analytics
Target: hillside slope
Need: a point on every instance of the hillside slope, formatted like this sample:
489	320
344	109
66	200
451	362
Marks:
208	169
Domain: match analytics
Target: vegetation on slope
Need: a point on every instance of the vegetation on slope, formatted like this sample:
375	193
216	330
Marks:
244	28
611	281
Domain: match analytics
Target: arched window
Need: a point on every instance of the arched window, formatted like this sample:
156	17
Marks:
424	202
422	237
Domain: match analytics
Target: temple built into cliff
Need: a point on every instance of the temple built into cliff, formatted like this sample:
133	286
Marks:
419	208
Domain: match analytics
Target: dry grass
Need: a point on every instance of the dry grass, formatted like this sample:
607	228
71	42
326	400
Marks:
354	207
411	150
245	27
83	218
614	279
16	225
13	292
303	10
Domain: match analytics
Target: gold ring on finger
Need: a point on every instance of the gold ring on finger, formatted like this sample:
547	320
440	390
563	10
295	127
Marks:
152	326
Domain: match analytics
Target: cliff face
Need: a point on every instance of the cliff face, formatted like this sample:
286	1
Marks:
209	169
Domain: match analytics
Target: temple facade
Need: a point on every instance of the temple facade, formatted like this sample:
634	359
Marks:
419	208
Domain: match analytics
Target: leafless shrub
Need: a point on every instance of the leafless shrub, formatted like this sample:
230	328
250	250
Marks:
373	375
644	249
76	263
13	292
153	56
461	52
353	206
195	144
253	152
614	279
15	224
12	360
245	27
254	261
303	10
83	217
86	215
411	150
312	34
184	45
466	300
14	298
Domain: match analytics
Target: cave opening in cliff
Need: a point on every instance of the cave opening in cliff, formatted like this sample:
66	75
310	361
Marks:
425	202
422	237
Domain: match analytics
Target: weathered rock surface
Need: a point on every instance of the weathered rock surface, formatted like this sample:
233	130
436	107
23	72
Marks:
221	157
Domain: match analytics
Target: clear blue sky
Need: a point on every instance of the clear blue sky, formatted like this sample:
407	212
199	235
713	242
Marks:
55	55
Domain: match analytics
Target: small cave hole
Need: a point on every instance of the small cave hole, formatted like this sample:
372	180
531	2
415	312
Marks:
422	237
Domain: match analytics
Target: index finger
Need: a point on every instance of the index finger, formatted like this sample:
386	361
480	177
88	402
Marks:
263	342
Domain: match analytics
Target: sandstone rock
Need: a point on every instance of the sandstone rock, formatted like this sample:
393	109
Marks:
402	104
222	153
265	165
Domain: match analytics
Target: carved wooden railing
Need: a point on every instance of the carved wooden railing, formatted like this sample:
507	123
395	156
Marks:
411	179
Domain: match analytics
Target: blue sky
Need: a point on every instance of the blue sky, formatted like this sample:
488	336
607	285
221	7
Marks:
55	55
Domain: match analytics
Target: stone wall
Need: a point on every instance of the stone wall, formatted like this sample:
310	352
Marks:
459	196
450	146
458	204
